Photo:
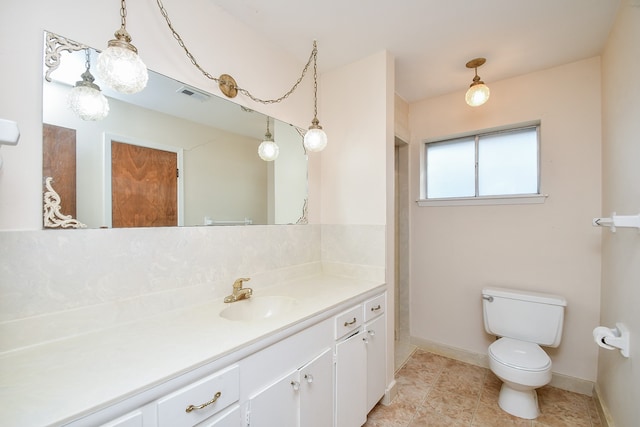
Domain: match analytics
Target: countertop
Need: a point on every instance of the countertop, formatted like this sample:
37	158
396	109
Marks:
51	384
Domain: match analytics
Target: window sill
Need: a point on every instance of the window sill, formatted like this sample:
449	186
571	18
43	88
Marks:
526	199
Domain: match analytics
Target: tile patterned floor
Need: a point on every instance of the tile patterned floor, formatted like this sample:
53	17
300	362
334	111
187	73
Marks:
437	391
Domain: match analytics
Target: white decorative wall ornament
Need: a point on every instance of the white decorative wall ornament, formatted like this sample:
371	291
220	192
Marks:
55	45
53	218
303	219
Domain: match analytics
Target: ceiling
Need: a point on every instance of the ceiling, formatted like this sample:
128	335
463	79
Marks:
432	40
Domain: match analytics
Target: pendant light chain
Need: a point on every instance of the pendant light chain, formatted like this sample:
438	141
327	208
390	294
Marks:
245	92
123	14
315	80
87	63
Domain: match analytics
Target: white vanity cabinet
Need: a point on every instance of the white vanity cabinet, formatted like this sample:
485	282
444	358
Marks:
360	361
375	328
326	370
351	381
302	398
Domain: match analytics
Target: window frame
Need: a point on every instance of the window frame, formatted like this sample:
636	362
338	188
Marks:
529	198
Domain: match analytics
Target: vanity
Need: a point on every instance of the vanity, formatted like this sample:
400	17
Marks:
310	352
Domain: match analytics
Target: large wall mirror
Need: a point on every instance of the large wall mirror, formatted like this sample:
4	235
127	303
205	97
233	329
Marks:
113	172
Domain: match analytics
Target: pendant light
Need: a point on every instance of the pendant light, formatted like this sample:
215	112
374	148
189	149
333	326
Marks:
478	92
268	150
119	65
86	99
315	139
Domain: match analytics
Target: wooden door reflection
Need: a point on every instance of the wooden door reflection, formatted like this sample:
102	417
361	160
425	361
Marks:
144	186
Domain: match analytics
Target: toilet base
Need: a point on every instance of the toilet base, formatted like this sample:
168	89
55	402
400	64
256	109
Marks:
520	403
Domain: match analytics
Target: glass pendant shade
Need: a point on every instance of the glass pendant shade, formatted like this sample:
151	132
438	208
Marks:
477	94
268	150
122	69
315	139
86	99
88	103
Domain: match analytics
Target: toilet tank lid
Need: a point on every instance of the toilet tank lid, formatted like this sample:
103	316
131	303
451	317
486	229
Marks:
532	296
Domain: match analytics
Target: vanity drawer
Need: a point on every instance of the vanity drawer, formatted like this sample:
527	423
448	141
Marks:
200	400
348	321
374	307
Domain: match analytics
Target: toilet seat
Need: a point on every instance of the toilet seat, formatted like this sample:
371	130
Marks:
520	355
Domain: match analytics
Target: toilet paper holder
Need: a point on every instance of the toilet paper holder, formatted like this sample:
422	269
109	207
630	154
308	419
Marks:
615	338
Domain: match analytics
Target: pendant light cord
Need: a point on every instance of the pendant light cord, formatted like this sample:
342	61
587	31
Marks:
245	92
123	14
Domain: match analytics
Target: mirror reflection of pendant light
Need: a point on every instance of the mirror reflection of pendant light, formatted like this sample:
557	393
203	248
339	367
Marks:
268	150
86	99
478	92
119	65
315	139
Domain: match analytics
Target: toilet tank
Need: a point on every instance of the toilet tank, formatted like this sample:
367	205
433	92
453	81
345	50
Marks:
527	316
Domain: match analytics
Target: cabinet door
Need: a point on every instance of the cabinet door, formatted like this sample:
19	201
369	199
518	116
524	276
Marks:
316	391
351	382
277	404
376	334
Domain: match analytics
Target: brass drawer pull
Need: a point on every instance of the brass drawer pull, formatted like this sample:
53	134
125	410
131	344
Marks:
376	308
350	323
193	408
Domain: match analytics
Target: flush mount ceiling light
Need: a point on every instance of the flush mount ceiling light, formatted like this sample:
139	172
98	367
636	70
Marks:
119	65
268	150
478	92
315	139
86	99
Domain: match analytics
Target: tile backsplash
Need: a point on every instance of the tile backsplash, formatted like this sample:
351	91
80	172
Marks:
55	284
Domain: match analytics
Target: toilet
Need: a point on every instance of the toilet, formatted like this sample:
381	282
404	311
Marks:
523	321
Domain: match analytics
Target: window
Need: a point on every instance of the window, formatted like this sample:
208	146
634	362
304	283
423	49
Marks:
483	168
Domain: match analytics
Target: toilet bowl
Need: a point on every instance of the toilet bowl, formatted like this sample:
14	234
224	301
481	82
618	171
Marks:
522	321
522	366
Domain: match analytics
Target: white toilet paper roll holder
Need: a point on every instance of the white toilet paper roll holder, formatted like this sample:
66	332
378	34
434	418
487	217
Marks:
620	340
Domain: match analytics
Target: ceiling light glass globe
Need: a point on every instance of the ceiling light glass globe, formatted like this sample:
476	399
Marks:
268	151
88	103
477	95
315	139
122	69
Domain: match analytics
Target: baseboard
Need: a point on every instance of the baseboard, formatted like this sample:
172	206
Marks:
603	410
561	381
452	352
390	393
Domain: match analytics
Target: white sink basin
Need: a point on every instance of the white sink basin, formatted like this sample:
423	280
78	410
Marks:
258	308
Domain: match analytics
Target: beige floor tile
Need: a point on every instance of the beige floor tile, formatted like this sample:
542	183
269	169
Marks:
434	391
429	417
397	414
490	415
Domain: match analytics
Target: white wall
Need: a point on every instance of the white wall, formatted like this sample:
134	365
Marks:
356	110
357	170
550	247
618	379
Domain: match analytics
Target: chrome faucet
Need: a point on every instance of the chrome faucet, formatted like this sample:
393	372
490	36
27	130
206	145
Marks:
238	291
